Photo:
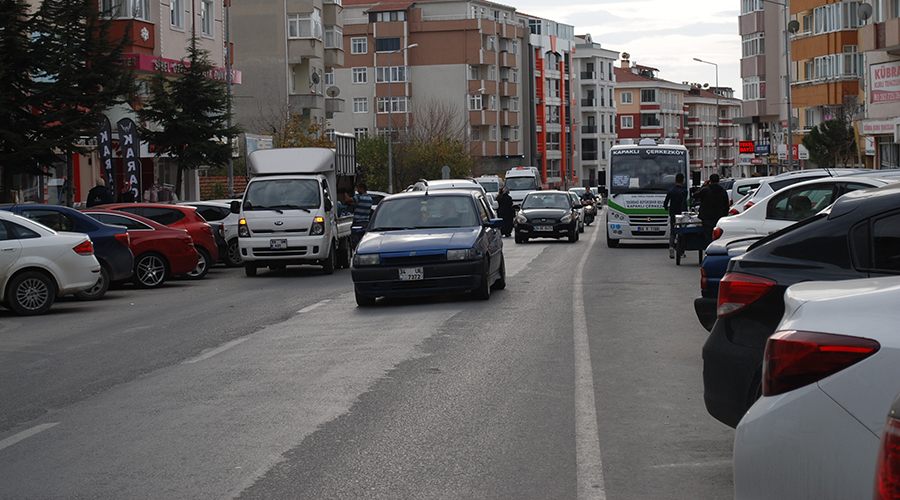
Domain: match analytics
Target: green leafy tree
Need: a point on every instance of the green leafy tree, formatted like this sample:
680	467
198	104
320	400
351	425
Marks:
300	132
371	155
831	143
186	116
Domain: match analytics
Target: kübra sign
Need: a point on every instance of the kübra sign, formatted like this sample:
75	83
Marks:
885	86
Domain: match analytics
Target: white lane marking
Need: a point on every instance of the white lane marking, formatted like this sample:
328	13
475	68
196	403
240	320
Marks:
27	433
711	463
588	461
313	306
218	350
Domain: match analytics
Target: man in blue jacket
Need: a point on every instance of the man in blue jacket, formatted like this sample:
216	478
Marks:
675	203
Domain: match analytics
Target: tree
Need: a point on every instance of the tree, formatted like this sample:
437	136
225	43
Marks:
186	116
831	143
299	132
371	155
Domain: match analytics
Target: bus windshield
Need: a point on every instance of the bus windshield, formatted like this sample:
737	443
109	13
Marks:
645	171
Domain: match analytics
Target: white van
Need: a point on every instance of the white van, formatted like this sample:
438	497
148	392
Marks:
522	180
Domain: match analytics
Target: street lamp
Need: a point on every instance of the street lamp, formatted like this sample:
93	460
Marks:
789	27
390	107
718	169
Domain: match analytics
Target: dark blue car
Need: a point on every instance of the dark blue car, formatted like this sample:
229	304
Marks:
430	243
718	254
111	244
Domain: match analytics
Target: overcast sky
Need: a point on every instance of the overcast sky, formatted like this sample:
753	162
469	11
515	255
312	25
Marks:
665	34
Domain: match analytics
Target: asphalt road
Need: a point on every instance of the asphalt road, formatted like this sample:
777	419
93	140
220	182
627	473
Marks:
580	380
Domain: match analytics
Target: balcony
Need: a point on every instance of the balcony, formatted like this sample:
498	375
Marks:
589	130
588	76
590	155
589	103
300	102
881	36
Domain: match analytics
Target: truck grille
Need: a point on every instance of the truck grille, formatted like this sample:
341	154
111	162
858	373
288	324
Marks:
287	252
648	219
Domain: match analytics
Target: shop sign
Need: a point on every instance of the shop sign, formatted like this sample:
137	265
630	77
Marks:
877	127
885	82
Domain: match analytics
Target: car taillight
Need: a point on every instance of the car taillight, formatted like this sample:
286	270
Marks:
738	290
221	229
84	248
704	281
717	233
733	211
748	205
794	359
887	475
124	239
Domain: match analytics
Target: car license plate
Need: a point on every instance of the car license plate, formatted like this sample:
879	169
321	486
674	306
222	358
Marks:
644	229
412	273
278	244
543	229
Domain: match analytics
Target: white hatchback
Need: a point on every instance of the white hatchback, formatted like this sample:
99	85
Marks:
37	264
830	374
792	204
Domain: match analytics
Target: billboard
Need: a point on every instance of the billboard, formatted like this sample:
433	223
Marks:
746	147
885	82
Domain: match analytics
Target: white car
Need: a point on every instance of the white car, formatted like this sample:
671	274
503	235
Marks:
218	214
830	374
887	478
743	187
792	204
771	185
37	264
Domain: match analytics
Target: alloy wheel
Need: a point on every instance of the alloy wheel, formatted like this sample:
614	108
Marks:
151	271
32	294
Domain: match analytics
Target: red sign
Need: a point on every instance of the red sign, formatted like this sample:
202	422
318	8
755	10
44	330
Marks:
144	62
746	147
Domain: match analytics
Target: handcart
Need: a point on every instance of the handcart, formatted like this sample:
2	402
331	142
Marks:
689	236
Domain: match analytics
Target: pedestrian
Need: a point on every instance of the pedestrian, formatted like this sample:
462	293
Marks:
362	211
127	195
713	205
99	194
506	211
675	204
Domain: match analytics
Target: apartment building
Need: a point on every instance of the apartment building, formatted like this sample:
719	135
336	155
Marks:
879	41
646	105
763	116
595	126
711	142
407	61
285	49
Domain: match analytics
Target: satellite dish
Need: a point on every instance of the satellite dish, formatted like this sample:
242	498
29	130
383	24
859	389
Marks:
626	55
865	11
794	26
314	78
332	92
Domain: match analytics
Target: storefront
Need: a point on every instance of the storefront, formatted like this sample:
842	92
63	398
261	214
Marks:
880	145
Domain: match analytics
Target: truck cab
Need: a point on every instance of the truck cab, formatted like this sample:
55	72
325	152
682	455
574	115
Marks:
289	214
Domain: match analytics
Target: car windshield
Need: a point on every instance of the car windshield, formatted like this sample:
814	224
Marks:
282	194
521	183
425	212
646	171
547	200
490	186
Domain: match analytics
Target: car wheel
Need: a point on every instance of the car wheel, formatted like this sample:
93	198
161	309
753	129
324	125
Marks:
573	235
99	289
203	265
233	255
345	254
483	292
31	293
611	243
500	284
250	270
521	239
330	262
364	300
150	271
581	227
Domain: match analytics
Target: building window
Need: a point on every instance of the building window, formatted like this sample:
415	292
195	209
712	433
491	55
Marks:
127	9
650	120
492	131
753	44
359	45
626	122
361	132
492	73
387	44
492	103
475	102
754	89
535	26
514	133
329	78
627	98
841	16
474	73
305	25
397	104
387	17
748	6
490	42
391	74
648	95
475	134
360	104
206	17
334	38
176	13
360	75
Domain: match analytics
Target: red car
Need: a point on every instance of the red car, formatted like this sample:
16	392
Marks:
159	251
181	217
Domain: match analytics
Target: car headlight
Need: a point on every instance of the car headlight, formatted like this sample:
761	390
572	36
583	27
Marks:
243	229
566	219
521	219
463	254
318	226
366	259
617	215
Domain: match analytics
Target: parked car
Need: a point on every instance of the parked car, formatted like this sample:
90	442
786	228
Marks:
430	243
547	214
111	245
718	254
792	204
225	223
743	187
858	237
887	478
830	374
161	252
467	184
778	182
180	217
579	210
37	264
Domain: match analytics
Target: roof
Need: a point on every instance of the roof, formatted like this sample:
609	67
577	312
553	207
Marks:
380	6
868	201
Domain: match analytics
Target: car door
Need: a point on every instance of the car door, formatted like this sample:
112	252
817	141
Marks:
492	235
10	249
793	205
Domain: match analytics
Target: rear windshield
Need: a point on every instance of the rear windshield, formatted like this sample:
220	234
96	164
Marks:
521	183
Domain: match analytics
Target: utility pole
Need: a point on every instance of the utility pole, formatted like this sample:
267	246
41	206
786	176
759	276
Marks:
390	107
229	81
718	145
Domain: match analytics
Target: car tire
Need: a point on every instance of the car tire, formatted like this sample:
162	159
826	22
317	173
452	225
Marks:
345	254
611	243
99	289
521	239
500	284
250	270
31	293
364	300
233	254
483	292
573	235
330	262
203	265
150	270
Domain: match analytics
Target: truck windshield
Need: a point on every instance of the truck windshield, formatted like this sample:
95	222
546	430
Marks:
282	194
645	171
425	212
521	183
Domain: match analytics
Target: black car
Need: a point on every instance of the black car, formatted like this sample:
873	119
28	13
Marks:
858	238
547	214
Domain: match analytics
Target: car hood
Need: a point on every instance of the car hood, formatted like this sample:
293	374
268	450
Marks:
544	213
418	240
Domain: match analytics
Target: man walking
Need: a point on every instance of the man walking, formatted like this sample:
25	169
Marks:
713	205
362	211
675	203
99	194
505	211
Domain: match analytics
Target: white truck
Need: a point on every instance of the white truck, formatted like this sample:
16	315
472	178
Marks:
520	181
289	214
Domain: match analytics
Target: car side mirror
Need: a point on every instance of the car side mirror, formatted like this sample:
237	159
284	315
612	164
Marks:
328	205
236	207
495	223
576	205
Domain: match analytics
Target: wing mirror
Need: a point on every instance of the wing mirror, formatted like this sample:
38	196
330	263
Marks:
236	207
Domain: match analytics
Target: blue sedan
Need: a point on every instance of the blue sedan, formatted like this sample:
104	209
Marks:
430	243
111	243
